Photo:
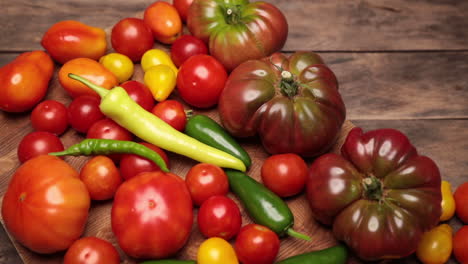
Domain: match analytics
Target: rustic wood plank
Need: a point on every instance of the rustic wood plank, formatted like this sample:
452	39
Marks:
320	25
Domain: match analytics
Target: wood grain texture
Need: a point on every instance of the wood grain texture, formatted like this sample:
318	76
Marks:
330	25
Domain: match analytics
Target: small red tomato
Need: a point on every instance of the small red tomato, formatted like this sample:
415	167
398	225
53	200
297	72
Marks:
171	112
201	80
164	21
205	180
50	116
182	7
219	216
83	112
108	129
256	244
284	174
460	245
139	93
186	47
461	202
38	143
101	177
131	165
91	250
132	37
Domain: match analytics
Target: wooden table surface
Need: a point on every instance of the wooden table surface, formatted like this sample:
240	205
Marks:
401	64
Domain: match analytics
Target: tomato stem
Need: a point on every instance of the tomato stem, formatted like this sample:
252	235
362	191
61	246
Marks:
233	15
373	188
288	86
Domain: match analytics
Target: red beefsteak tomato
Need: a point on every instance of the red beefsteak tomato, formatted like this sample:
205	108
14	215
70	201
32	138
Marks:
236	30
380	196
46	205
152	215
292	103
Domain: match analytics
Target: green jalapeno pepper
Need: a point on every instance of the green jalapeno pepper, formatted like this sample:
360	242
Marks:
169	261
264	207
93	146
333	255
117	105
206	130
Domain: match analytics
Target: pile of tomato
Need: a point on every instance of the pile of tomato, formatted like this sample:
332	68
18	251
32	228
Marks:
229	59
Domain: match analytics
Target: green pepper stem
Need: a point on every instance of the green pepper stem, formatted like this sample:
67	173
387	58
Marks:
98	89
64	153
293	233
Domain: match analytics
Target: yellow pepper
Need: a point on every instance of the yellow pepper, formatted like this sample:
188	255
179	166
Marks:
216	250
120	65
155	57
161	80
435	246
448	202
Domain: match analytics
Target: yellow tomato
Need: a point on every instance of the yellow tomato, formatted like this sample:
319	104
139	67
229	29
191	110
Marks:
155	57
448	202
161	80
120	65
435	246
216	250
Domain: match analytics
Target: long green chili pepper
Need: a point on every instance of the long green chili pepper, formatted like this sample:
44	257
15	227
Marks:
92	146
117	105
333	255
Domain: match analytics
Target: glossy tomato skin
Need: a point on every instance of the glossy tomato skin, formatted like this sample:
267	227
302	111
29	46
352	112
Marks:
205	180
50	116
131	165
91	250
260	30
372	194
38	143
460	245
164	21
108	129
152	215
284	174
256	244
201	80
171	112
101	177
83	112
305	121
185	47
182	7
219	216
46	205
461	202
132	37
139	93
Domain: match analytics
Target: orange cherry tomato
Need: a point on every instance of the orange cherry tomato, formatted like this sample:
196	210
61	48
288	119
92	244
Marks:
101	177
164	21
89	69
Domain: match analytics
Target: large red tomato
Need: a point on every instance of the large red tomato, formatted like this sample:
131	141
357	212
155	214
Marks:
152	215
46	205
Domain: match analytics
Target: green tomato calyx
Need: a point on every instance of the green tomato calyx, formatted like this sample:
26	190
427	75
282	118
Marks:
233	15
373	188
288	86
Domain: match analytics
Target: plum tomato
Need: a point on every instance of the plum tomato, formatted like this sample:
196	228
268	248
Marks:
38	143
108	129
219	216
185	47
91	250
131	165
139	93
284	174
461	202
101	177
182	7
171	112
164	21
50	116
460	244
83	112
256	244
132	37
205	180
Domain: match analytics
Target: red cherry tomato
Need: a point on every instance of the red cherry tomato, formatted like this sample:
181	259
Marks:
91	250
50	116
205	180
186	47
108	129
201	80
284	174
139	93
182	7
132	37
460	244
256	244
83	112
101	177
132	165
461	202
171	112
219	216
37	143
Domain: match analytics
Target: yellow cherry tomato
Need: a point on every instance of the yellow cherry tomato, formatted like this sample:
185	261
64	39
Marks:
216	250
435	246
155	57
161	80
448	202
120	65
